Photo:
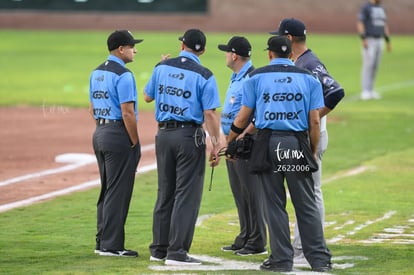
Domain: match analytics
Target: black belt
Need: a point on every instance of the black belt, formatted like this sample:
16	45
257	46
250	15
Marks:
375	36
283	133
177	124
104	121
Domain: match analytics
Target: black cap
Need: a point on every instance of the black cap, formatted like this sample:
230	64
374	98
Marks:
238	45
194	39
291	26
121	38
281	45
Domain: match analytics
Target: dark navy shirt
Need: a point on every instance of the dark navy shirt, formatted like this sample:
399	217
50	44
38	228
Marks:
332	91
283	95
374	19
182	89
112	84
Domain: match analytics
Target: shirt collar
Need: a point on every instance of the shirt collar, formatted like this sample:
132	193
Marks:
305	52
242	72
281	61
191	56
116	59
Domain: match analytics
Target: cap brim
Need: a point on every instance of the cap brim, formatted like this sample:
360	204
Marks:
138	41
223	48
181	38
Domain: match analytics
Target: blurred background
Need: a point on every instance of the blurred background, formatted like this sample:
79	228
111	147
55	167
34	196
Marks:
323	16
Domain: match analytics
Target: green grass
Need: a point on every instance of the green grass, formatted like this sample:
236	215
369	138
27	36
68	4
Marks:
53	67
57	236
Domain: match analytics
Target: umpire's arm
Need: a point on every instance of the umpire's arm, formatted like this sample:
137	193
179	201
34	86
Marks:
240	122
314	130
130	121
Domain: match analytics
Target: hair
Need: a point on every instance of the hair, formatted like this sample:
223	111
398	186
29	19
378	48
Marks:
299	39
282	55
244	58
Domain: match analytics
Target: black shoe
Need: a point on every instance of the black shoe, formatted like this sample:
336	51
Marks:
324	268
231	248
247	252
188	261
267	266
119	253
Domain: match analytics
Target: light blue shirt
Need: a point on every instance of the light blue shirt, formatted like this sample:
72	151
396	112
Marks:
111	84
182	89
232	103
283	95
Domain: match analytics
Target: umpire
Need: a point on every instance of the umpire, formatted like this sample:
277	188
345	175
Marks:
113	105
246	191
286	99
186	96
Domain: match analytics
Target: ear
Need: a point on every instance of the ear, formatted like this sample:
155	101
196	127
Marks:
233	56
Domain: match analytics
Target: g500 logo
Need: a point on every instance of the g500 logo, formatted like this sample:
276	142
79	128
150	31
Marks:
100	95
282	97
174	91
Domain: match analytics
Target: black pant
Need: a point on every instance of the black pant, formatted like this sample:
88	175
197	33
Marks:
248	197
285	154
181	159
117	163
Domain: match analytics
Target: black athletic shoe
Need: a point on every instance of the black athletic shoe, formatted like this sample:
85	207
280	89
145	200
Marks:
324	268
248	252
230	248
119	253
267	266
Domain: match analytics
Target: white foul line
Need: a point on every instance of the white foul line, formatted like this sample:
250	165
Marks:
361	226
76	160
65	191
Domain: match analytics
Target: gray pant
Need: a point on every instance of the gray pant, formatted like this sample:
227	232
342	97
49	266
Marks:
181	159
301	189
371	58
117	163
248	197
317	178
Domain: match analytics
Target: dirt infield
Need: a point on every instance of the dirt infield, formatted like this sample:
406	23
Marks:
33	137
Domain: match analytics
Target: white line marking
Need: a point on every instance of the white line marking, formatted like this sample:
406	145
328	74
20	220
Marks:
202	218
361	226
349	173
46	172
384	89
214	263
343	225
217	264
65	191
76	160
396	86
